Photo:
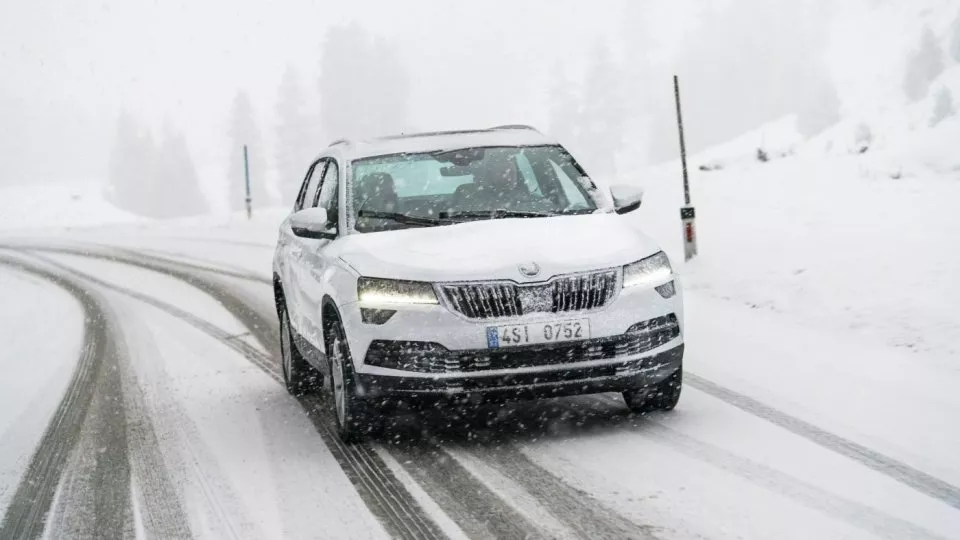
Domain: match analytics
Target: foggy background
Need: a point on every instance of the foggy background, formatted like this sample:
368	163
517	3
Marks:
154	99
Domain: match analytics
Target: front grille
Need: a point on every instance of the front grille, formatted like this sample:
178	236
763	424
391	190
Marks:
433	358
494	300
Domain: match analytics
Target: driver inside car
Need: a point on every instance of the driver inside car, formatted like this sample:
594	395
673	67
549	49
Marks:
496	185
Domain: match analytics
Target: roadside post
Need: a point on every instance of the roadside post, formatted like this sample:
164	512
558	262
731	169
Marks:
246	177
687	213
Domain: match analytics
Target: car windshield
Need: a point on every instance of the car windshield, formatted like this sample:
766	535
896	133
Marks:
450	186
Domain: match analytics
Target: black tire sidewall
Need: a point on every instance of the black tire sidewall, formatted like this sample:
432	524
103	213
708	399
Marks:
289	380
298	381
664	396
355	417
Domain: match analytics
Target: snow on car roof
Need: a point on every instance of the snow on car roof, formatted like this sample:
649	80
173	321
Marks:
446	140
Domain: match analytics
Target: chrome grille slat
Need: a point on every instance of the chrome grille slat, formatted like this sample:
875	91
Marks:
591	290
468	298
498	301
495	300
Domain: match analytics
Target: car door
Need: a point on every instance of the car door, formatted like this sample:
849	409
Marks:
291	246
315	261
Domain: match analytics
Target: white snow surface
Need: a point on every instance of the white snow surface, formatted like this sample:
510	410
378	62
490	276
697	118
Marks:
54	206
242	453
826	289
821	290
36	364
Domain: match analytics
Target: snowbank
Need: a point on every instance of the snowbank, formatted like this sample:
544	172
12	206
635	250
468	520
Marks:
57	205
825	242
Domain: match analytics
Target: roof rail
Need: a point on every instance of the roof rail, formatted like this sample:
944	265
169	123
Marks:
428	134
516	126
340	141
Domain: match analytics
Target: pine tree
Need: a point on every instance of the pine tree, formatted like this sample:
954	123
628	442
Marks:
295	139
564	110
175	186
364	86
244	131
862	138
602	121
343	81
822	111
392	100
923	66
943	106
955	40
131	166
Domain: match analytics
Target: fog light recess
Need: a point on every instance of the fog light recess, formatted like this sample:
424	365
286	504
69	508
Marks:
376	316
667	290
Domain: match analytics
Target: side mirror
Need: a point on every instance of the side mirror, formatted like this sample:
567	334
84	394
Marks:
313	223
626	198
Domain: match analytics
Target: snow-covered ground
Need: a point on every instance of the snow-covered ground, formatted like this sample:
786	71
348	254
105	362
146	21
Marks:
823	353
36	365
823	291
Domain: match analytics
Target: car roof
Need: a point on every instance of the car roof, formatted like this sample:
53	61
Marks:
413	143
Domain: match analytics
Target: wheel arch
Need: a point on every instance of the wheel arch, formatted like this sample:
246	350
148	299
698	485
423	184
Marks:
329	314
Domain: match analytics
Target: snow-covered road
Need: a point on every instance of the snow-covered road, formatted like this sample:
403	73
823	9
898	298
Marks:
783	431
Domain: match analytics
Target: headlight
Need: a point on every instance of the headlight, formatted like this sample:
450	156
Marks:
650	271
391	291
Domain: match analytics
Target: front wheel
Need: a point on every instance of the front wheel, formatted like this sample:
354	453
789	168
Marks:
662	397
299	376
352	413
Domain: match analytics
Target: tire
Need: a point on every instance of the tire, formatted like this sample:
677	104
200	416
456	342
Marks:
663	397
299	376
353	415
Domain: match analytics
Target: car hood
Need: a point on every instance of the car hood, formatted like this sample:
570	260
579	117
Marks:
494	249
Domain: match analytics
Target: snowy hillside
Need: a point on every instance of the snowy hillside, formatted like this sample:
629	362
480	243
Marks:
852	228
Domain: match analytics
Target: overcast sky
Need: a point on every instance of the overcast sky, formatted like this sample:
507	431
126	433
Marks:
69	65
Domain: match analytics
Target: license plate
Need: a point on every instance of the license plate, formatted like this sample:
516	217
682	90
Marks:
514	335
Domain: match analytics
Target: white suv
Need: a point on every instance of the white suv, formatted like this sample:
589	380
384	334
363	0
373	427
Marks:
470	263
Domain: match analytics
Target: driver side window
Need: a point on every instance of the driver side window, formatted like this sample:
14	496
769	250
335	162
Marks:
308	194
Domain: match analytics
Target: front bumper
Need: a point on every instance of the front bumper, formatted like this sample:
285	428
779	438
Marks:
558	380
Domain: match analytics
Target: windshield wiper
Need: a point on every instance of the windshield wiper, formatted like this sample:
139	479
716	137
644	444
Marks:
497	213
400	218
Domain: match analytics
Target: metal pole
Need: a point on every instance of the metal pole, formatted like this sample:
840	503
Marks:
246	175
687	213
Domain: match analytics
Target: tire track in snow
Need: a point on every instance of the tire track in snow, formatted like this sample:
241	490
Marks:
893	468
166	258
87	415
574	508
227	241
199	464
876	461
899	471
480	512
379	488
857	514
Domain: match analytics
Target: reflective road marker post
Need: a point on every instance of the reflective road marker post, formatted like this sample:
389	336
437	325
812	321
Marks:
246	177
687	214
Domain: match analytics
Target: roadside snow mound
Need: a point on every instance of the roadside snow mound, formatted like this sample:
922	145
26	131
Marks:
51	206
774	140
